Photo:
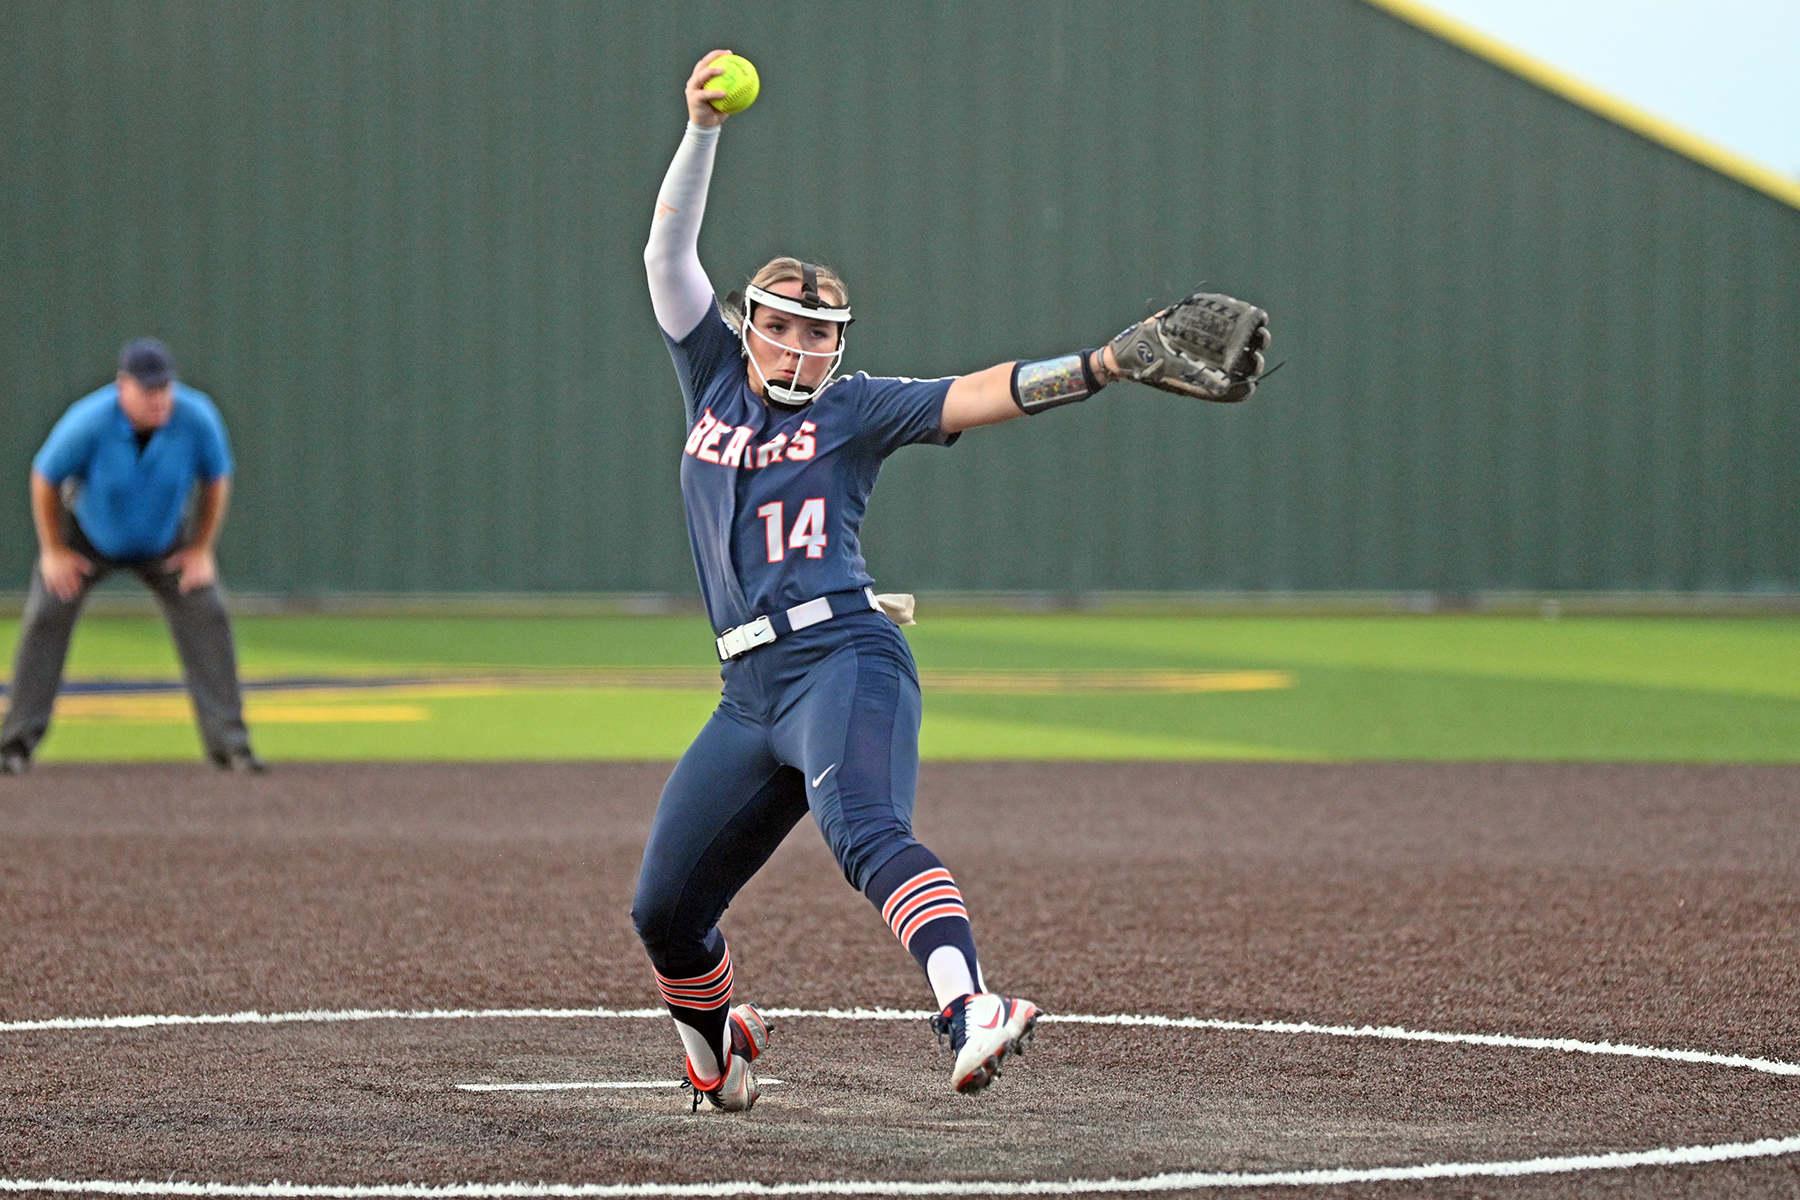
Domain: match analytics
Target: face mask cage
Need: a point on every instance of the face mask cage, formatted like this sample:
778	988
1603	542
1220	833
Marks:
811	306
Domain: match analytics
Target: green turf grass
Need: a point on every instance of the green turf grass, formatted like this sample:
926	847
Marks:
1439	687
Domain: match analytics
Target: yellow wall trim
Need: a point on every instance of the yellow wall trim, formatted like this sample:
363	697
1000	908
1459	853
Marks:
1594	100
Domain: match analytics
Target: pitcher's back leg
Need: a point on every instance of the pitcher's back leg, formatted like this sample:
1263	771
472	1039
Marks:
726	807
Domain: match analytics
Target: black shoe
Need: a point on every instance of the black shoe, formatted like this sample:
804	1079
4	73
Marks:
243	760
14	761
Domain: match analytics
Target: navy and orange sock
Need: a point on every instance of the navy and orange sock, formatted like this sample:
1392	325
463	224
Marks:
919	900
699	998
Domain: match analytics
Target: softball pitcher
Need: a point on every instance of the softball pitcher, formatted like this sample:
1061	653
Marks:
820	708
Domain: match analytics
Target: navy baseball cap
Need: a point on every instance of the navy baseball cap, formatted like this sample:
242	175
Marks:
148	361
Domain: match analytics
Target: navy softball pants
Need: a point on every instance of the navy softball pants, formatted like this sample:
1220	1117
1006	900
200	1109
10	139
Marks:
825	720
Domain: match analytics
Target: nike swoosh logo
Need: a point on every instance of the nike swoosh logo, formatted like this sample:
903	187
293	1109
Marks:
823	774
991	1024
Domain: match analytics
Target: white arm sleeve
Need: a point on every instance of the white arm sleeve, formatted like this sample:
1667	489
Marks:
679	289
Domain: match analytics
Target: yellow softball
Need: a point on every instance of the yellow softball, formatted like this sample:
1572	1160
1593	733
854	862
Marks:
739	83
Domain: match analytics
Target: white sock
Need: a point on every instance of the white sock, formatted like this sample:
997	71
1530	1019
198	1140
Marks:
706	1059
949	973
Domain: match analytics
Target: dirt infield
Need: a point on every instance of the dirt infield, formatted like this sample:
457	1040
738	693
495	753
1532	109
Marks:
1655	906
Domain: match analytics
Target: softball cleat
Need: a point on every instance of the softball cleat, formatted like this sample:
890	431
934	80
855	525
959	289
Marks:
749	1038
983	1029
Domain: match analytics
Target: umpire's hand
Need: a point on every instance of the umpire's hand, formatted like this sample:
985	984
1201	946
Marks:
63	570
195	565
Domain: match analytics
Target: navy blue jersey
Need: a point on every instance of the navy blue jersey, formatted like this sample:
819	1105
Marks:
774	496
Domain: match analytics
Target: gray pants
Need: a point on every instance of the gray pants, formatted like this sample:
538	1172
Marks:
202	632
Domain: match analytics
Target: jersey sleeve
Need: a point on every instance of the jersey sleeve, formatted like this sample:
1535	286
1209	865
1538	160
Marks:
70	445
900	412
213	448
699	357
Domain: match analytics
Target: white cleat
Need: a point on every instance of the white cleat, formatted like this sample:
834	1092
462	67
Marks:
983	1029
749	1038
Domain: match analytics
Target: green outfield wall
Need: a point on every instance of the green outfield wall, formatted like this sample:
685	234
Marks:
1529	348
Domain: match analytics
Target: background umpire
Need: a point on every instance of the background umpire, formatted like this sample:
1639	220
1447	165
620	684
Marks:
110	489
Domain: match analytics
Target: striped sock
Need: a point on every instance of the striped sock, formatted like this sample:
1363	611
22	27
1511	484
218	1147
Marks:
931	895
921	903
700	1003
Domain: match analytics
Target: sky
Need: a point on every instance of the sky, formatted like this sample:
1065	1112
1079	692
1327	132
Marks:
1728	70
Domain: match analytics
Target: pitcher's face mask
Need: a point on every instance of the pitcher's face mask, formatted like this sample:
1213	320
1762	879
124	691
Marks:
809	306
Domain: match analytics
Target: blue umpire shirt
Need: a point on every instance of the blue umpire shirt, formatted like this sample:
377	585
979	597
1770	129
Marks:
132	501
775	496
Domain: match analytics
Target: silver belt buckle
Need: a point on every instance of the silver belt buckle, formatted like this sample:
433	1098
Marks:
745	638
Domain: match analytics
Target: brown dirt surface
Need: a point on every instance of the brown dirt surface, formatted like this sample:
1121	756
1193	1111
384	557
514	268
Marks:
1652	905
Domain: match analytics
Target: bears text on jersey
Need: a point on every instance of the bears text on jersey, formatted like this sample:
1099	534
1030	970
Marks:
716	441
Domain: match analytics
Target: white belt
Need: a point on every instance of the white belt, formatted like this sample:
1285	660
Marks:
742	639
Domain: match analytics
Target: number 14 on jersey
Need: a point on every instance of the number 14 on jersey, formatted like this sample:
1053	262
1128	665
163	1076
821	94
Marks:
808	531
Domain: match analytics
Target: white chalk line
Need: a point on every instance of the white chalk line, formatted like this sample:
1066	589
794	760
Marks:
323	1016
1168	1181
622	1084
1398	1033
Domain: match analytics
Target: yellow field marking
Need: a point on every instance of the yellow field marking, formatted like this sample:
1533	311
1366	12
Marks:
1026	681
452	690
448	685
326	714
350	703
173	708
1088	682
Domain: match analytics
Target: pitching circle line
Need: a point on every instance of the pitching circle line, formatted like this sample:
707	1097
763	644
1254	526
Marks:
1168	1181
